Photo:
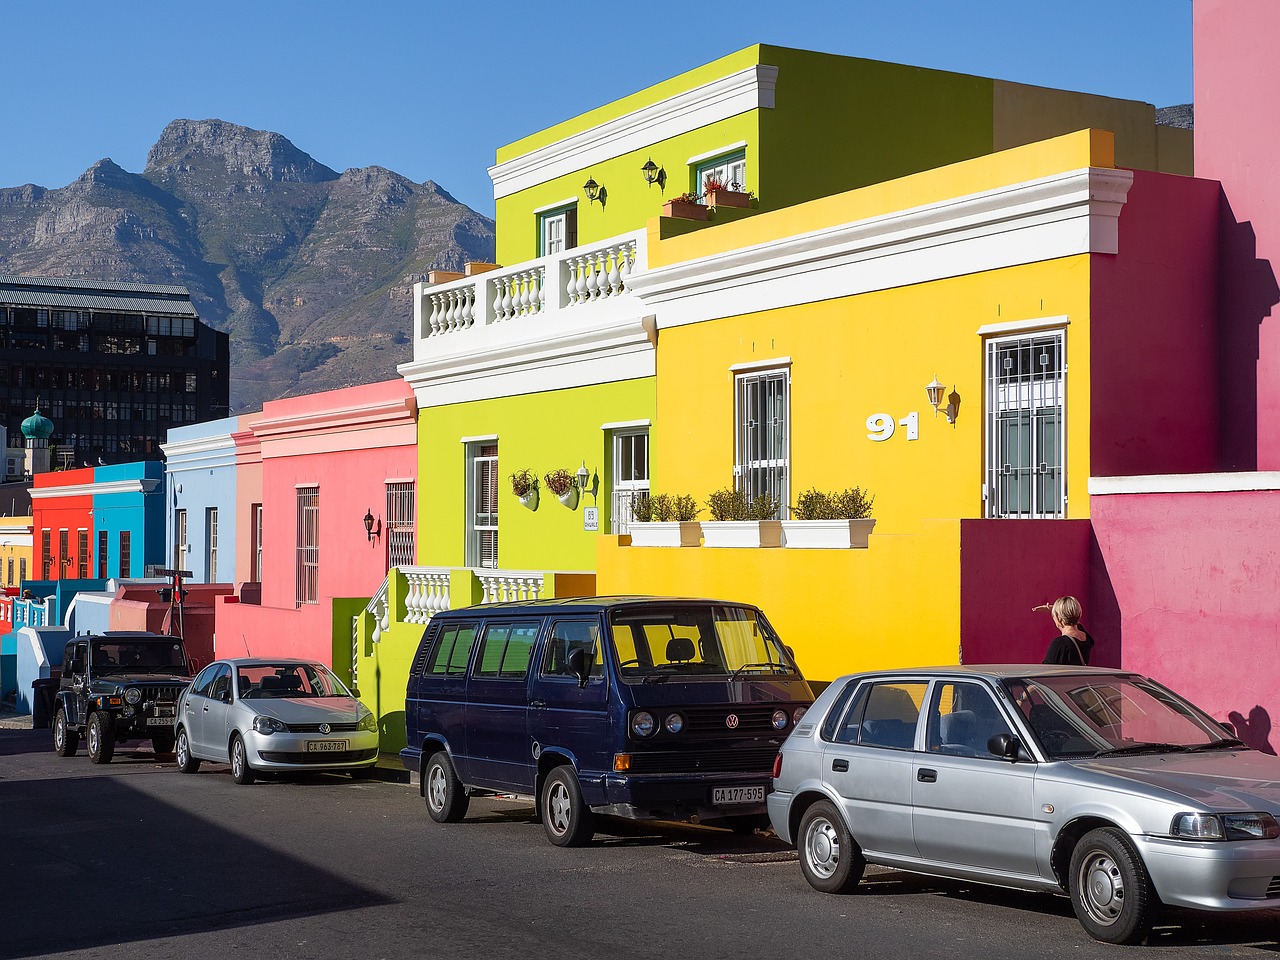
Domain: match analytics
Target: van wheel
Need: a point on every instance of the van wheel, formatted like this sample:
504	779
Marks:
447	799
65	740
829	858
186	762
1110	889
241	772
101	739
565	817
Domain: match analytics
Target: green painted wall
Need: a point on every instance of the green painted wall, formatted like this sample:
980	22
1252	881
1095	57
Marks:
538	431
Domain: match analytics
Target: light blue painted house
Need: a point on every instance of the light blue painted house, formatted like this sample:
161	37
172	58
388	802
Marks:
200	498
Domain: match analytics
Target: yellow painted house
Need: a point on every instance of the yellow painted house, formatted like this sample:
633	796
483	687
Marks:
902	225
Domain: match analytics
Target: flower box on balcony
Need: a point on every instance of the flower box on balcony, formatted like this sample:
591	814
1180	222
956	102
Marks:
685	209
742	533
826	534
728	198
667	533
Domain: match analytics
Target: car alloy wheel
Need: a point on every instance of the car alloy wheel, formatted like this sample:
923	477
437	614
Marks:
241	772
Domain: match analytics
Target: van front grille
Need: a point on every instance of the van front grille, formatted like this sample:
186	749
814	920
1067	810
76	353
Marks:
748	758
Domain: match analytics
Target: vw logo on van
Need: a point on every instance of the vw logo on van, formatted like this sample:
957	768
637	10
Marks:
325	728
731	721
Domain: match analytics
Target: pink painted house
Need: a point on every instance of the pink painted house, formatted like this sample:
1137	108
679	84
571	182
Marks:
327	489
1186	561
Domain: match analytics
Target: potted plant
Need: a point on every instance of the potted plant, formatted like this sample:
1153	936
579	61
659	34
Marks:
524	484
829	520
563	484
664	520
687	205
720	194
740	521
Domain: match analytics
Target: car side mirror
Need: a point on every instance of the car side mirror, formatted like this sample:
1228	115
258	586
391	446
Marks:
577	666
1007	747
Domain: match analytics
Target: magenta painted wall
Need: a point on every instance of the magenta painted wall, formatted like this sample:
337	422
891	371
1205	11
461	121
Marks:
1153	351
1237	141
1197	577
348	443
1009	566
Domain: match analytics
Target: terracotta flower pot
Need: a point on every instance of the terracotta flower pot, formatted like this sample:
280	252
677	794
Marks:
684	209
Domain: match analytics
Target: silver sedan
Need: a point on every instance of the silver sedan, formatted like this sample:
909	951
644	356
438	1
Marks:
1096	784
273	715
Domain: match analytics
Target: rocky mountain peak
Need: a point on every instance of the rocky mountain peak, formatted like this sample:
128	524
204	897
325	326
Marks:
203	145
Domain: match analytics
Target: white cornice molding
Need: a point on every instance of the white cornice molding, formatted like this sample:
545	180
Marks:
1074	212
1023	326
384	413
199	454
1186	483
102	489
751	88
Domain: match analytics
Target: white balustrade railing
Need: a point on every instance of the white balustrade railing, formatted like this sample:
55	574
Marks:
379	606
427	592
561	281
511	585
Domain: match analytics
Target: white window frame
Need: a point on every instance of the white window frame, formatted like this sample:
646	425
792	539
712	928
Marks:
180	539
255	521
626	489
1043	399
482	493
557	219
401	523
307	575
211	544
729	168
761	461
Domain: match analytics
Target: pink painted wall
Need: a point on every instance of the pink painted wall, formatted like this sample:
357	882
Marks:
1237	141
1196	577
248	492
348	443
1009	566
1153	330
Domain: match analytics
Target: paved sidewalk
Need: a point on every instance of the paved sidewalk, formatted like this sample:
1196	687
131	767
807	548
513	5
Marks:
15	721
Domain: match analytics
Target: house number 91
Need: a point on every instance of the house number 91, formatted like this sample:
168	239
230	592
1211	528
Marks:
881	426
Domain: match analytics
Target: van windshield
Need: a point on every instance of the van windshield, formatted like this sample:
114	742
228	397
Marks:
656	643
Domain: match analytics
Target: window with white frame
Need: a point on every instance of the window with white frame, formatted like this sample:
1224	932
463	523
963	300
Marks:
126	556
730	171
103	544
1026	466
307	575
482	504
630	474
179	539
255	526
762	411
211	544
557	230
401	529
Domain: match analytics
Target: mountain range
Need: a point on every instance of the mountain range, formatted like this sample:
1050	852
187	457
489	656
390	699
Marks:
310	271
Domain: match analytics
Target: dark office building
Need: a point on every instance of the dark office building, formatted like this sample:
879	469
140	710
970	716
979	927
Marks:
113	365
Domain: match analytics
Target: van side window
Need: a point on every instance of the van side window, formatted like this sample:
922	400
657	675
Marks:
452	650
505	650
567	636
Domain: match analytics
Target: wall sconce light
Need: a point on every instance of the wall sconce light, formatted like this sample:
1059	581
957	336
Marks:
654	174
594	191
587	482
369	530
935	391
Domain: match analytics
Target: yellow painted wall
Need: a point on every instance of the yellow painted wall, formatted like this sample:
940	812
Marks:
540	431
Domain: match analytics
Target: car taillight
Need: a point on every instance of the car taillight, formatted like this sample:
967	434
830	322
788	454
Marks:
777	766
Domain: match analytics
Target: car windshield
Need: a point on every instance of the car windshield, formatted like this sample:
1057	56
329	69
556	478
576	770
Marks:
1091	716
260	681
138	656
654	644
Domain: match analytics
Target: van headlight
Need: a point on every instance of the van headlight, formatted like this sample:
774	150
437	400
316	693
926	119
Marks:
1225	826
779	719
643	724
673	723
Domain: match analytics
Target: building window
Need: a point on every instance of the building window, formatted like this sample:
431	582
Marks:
729	170
46	556
102	555
9	578
482	505
401	511
630	475
211	544
255	555
82	554
1026	470
179	539
763	442
307	577
64	553
126	558
22	569
557	230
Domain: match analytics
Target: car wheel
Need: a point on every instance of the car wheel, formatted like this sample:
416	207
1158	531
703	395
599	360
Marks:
101	739
186	762
565	817
447	799
65	740
162	743
829	858
1110	889
241	772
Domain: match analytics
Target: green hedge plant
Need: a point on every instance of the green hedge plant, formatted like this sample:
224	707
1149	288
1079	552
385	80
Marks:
850	504
731	503
664	508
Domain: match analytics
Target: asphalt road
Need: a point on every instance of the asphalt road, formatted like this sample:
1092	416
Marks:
135	860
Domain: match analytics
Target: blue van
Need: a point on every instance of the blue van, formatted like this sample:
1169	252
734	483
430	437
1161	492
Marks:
641	707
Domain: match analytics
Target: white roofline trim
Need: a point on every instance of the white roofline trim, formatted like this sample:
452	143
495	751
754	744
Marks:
1186	483
1019	326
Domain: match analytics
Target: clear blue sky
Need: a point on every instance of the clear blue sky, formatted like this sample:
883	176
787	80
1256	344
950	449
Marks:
431	89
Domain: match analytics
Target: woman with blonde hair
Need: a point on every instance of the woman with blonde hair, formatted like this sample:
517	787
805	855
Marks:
1073	644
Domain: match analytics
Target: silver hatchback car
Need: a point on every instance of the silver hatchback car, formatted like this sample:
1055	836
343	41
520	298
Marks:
273	715
1098	784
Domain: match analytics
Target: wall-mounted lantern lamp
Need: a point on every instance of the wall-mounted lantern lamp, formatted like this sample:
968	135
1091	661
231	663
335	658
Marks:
594	191
369	522
584	476
935	390
654	174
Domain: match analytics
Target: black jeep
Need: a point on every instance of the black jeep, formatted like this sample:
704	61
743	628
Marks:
119	686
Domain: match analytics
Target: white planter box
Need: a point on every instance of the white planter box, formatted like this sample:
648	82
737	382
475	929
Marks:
826	534
742	533
674	533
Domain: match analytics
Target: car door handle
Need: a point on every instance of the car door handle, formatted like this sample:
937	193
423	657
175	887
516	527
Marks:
537	704
206	709
925	775
840	766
